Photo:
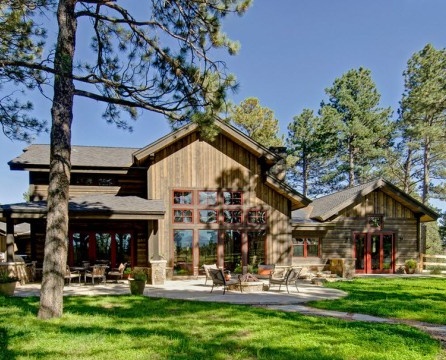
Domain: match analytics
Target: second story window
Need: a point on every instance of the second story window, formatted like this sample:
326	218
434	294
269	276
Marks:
182	197
232	197
182	216
256	217
232	216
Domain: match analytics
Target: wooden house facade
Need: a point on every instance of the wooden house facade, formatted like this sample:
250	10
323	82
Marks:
184	201
371	228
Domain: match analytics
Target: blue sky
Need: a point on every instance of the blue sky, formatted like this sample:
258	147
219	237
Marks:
291	50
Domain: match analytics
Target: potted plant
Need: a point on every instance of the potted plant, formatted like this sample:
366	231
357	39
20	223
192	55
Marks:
137	281
7	282
127	272
410	266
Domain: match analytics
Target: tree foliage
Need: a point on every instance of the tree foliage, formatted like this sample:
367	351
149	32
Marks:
422	122
154	55
311	143
364	129
256	121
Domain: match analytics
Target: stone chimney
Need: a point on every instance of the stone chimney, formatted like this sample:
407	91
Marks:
278	170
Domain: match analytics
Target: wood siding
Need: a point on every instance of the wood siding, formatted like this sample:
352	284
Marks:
194	164
133	182
397	219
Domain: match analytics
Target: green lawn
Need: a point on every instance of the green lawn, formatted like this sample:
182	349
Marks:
126	327
412	298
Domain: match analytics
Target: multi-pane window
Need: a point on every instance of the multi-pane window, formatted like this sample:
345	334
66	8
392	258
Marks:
182	216
208	216
182	197
256	217
308	247
232	216
207	197
232	197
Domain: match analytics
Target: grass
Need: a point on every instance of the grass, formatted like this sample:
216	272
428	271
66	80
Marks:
410	298
136	327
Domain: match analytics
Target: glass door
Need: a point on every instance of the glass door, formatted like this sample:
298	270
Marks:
380	252
360	253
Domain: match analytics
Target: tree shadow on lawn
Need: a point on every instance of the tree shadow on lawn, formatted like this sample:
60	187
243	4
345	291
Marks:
210	330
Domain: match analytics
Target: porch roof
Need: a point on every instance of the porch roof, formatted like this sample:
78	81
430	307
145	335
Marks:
91	207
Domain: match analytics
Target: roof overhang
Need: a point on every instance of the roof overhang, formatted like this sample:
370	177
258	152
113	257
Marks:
105	207
298	201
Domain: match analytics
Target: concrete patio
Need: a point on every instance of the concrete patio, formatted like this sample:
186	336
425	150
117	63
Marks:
196	290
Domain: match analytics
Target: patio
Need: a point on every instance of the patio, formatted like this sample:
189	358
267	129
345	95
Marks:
196	290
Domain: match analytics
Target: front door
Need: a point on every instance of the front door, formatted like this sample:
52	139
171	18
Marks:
374	252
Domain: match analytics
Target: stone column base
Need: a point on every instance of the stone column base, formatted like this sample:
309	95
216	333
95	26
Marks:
158	272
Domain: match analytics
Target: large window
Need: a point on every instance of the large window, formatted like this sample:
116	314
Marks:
106	247
207	246
306	247
183	259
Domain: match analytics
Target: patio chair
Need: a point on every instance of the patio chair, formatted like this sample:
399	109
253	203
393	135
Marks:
98	272
206	271
72	275
117	273
218	278
291	275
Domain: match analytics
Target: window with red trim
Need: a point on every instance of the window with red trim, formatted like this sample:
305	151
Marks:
182	216
182	197
232	197
256	217
232	216
306	247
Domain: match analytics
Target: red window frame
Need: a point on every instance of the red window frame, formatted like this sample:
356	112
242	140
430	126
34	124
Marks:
183	216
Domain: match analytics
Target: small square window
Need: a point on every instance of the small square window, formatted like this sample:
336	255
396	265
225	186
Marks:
257	217
207	197
232	216
232	197
182	216
208	216
182	197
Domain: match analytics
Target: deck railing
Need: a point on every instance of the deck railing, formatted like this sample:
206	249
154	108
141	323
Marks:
431	262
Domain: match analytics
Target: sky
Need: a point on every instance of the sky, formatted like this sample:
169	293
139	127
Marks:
291	51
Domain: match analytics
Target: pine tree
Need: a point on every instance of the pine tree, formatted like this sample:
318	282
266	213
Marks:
422	122
256	121
364	129
158	59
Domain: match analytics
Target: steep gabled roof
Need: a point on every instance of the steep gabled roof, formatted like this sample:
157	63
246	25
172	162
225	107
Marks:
269	157
228	130
85	157
329	206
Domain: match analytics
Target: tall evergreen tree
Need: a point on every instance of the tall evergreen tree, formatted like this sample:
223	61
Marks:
310	143
256	121
364	129
422	122
158	59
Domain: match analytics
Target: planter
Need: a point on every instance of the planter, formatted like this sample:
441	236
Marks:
7	289
137	286
410	270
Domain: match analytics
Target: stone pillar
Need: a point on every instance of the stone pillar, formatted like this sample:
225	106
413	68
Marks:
9	240
158	268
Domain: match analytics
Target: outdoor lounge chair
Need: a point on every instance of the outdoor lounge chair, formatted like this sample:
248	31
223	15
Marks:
117	273
72	275
206	271
291	275
98	272
218	278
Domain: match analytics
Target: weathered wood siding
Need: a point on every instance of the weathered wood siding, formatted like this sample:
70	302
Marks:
134	182
193	164
398	219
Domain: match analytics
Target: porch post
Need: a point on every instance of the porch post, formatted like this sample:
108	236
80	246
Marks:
9	239
157	262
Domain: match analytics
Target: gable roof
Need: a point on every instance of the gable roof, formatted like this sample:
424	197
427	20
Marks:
269	157
225	129
38	157
326	207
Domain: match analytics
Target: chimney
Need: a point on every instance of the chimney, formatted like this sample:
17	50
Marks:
279	168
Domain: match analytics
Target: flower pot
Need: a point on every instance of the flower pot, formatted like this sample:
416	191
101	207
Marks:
7	289
137	286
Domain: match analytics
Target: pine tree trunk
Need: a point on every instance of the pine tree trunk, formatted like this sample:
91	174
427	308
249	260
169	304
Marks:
55	257
426	170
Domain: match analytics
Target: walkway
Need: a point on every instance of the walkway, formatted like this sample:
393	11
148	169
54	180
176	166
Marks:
195	290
